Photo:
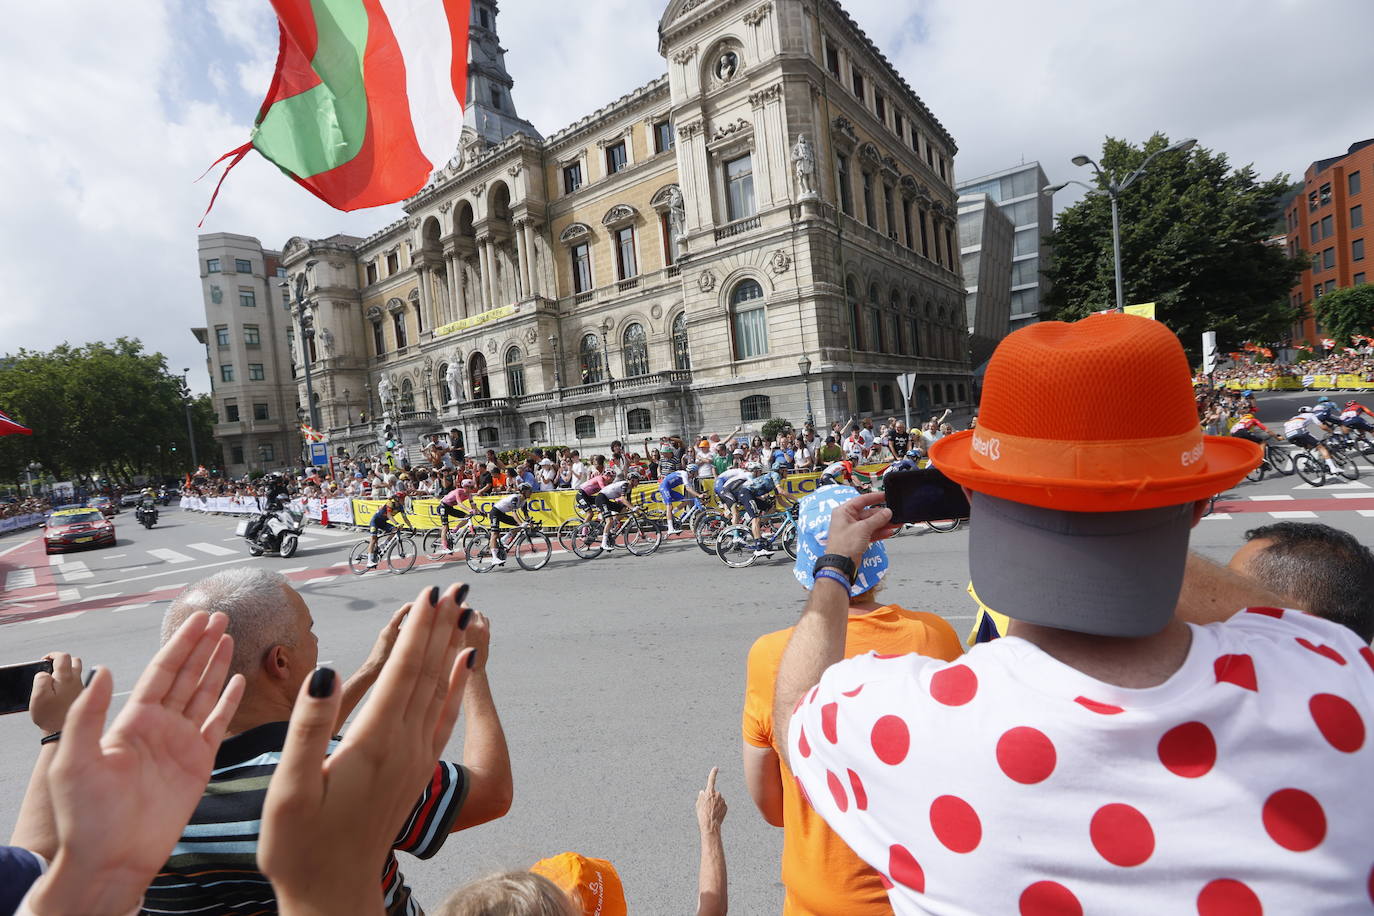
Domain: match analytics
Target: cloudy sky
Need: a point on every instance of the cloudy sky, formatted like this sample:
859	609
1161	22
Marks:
116	108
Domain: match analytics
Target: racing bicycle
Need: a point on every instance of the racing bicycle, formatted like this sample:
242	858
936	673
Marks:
640	534
735	544
527	543
397	549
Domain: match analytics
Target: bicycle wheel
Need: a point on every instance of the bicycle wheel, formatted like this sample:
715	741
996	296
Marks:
707	529
1365	448
401	555
357	558
1257	472
944	524
566	532
735	547
475	553
532	550
1310	469
433	542
1346	465
641	537
586	540
1280	459
789	541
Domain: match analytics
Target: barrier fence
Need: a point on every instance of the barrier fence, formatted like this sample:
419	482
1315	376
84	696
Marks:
20	522
1343	382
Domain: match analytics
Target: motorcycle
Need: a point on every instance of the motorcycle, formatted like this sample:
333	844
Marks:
273	531
166	496
146	515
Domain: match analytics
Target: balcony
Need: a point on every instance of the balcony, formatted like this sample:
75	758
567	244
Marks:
485	406
672	270
625	286
588	296
674	378
738	227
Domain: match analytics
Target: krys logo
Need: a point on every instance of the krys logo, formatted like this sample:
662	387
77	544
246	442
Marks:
990	448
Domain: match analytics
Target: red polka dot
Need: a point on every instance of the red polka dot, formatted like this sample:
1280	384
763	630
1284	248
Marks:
802	744
1122	835
857	786
955	823
1049	898
1323	649
954	686
1294	820
829	713
1266	611
854	692
811	697
1105	709
1371	885
905	870
1026	755
881	655
1228	897
1368	656
800	699
891	740
1188	750
882	879
1338	721
837	791
1236	669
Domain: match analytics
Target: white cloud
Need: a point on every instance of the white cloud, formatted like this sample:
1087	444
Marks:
129	102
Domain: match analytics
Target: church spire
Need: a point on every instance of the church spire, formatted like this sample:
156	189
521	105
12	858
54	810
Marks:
490	110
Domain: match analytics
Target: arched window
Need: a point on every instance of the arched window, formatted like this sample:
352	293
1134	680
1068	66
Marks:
539	431
515	373
407	397
378	337
593	368
398	321
865	398
876	343
682	355
750	320
445	392
477	377
488	435
949	393
585	426
886	399
962	396
755	407
938	391
922	399
635	351
639	420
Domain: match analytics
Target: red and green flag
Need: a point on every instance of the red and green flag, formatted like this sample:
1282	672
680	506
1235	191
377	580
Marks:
367	97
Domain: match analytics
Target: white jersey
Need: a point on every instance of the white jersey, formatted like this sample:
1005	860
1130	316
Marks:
616	489
732	478
1305	423
509	504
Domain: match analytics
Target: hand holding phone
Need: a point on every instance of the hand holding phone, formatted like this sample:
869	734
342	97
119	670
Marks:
923	495
16	684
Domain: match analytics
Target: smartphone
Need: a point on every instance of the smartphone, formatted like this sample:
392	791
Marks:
923	495
16	685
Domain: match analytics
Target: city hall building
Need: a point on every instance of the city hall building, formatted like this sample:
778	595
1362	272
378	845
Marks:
768	230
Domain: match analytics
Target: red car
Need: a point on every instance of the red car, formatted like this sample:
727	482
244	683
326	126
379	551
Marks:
106	505
71	529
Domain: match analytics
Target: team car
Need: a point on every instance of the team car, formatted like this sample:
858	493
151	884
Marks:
71	529
106	505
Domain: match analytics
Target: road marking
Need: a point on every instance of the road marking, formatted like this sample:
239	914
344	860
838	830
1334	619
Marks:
1367	513
76	570
56	560
1271	497
14	547
287	572
170	556
54	617
331	533
1347	485
20	578
212	549
1301	513
178	587
234	538
134	568
130	607
68	594
179	571
1220	515
1353	495
114	556
319	580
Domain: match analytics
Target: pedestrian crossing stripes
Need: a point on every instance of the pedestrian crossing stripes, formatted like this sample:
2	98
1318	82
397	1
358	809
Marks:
1299	513
20	578
213	549
75	571
171	556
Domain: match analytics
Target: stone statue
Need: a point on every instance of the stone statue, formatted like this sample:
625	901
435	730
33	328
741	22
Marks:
327	342
677	221
804	166
454	375
385	393
726	66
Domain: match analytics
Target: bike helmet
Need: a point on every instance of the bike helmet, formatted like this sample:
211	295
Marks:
692	470
1247	393
525	486
913	453
779	467
468	483
753	466
1323	400
634	474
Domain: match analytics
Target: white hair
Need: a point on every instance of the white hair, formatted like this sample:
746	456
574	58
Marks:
254	600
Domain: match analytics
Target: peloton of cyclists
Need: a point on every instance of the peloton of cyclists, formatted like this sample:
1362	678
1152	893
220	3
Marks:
679	486
1307	430
611	500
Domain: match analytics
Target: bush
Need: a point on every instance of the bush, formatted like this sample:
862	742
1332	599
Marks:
773	427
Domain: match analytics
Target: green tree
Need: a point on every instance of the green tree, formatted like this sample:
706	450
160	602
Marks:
1345	312
1193	241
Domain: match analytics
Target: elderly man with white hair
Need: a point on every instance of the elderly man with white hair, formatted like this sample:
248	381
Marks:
213	869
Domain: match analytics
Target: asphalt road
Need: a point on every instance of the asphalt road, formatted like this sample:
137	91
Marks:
619	679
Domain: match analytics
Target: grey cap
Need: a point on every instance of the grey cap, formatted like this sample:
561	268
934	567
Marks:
1103	573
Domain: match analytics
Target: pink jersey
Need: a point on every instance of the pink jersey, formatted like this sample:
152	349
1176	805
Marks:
595	483
456	496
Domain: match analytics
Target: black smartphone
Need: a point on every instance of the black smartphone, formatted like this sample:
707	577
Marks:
16	684
923	495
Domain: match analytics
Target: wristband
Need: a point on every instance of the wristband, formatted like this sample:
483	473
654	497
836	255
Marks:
834	575
50	739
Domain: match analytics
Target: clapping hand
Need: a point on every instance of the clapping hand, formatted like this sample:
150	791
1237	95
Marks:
53	694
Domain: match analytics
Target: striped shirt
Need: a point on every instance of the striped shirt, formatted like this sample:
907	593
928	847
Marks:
213	870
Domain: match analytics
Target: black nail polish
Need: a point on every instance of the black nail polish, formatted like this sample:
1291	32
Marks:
434	596
472	659
89	676
462	593
465	618
322	683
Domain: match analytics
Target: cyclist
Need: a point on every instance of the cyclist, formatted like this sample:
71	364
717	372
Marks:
504	511
585	495
677	487
456	503
761	495
842	472
381	525
909	462
1248	397
611	500
1325	410
1307	430
1355	416
1247	427
727	489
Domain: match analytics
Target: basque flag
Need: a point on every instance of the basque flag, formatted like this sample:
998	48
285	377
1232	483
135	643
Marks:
9	428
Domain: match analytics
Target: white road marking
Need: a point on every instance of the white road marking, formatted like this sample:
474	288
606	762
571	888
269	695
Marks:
76	570
1333	485
130	607
56	560
1353	495
134	568
55	617
20	578
179	571
1367	513
1220	515
1301	513
320	579
1271	497
213	549
287	572
14	547
68	594
170	556
331	532
234	538
102	597
178	587
114	556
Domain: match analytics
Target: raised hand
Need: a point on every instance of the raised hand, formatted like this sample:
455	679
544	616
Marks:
53	694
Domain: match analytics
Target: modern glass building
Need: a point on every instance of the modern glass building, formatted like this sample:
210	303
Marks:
1017	193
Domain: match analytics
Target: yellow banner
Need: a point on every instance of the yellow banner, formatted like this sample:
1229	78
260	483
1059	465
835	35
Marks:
1144	310
462	324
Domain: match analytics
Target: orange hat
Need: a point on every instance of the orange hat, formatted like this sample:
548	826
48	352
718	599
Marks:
592	883
1046	438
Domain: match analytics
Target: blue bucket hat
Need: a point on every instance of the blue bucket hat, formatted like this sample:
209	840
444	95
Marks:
813	527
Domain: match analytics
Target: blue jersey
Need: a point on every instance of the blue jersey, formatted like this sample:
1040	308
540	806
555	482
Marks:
764	484
675	480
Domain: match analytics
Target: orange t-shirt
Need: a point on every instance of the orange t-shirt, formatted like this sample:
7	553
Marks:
821	874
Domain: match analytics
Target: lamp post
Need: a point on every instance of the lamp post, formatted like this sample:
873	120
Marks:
307	323
190	432
557	369
1113	190
300	421
804	366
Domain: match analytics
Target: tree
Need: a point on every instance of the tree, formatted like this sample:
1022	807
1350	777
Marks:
1346	312
1193	240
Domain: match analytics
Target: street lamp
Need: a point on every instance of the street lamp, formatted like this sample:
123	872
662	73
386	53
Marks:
190	433
804	365
557	370
1113	191
307	323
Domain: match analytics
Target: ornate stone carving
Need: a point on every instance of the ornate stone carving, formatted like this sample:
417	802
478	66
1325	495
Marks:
758	14
618	215
374	314
908	184
845	129
574	232
656	311
454	376
727	66
781	262
804	168
677	221
477	190
686	54
764	96
707	281
690	130
446	206
869	153
491	346
429	365
515	170
327	342
729	130
216	294
395	305
689	6
531	335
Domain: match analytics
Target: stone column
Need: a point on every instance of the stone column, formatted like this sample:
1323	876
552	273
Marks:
460	302
535	288
522	259
432	318
484	259
455	285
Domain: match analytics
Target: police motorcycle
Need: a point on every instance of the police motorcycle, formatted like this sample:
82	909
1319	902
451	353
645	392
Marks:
146	511
275	528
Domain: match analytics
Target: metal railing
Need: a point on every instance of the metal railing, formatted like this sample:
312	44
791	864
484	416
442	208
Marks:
737	227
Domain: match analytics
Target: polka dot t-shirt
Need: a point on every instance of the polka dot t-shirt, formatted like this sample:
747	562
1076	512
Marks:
1008	782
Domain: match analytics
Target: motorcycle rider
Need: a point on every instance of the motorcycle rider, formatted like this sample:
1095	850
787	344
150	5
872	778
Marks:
147	502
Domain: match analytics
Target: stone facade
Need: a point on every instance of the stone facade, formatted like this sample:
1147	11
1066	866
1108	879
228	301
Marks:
668	264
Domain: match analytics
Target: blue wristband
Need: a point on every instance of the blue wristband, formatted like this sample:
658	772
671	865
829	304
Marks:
835	574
